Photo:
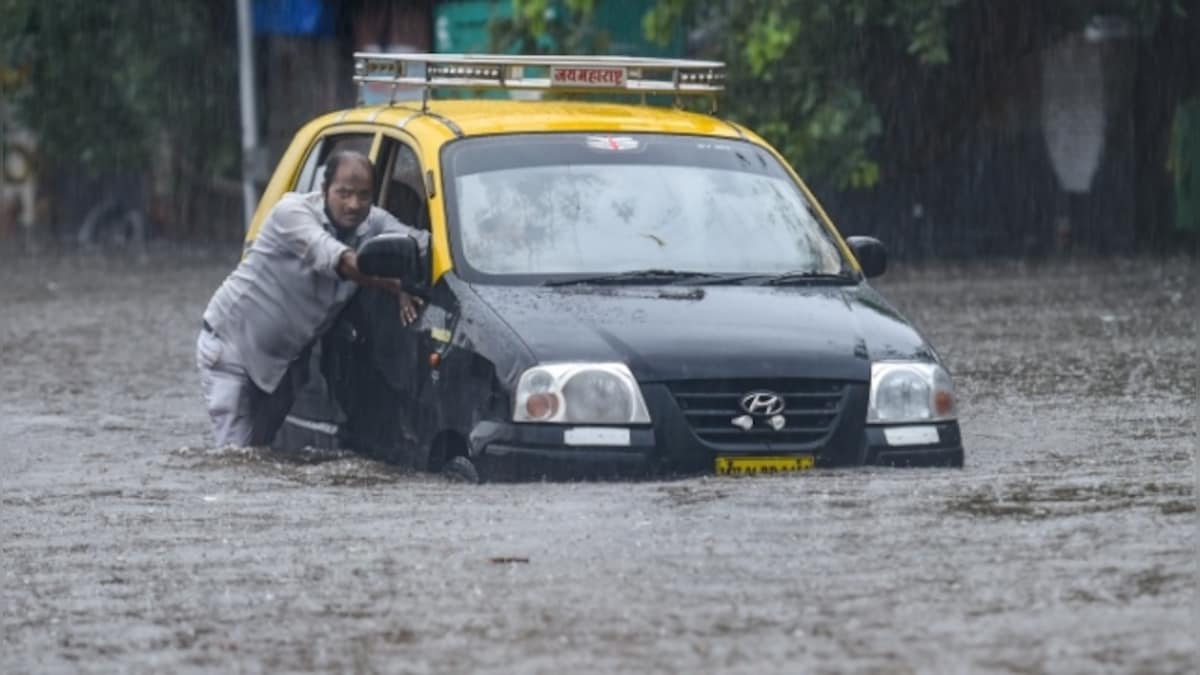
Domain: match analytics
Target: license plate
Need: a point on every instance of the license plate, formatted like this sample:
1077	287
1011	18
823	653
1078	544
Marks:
754	466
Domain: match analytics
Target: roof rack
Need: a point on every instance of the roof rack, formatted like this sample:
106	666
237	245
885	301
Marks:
577	74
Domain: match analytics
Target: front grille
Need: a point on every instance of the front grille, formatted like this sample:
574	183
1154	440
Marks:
811	408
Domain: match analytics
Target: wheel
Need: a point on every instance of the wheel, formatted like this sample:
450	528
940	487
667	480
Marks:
460	470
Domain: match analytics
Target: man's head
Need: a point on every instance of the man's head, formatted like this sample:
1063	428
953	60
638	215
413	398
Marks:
349	178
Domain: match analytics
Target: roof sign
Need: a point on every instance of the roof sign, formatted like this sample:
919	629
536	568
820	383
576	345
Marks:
376	72
587	77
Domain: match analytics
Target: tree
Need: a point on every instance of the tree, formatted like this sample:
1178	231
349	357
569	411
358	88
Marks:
127	86
793	64
858	93
544	26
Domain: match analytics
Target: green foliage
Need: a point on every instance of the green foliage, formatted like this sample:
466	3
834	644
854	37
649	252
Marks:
796	70
112	84
661	18
549	26
790	64
799	71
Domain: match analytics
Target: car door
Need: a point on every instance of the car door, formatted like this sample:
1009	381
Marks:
383	371
316	419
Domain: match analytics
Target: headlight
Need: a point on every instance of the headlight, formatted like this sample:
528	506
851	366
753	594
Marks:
580	393
903	391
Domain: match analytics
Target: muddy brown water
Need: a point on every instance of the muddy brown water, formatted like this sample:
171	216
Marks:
1067	545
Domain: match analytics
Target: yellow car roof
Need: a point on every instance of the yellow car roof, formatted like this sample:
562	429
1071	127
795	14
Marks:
452	118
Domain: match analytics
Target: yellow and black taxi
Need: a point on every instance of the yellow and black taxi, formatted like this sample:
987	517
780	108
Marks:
612	287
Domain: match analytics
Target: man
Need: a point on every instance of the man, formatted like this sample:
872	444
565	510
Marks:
299	273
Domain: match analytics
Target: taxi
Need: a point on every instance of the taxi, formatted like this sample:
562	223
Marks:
620	282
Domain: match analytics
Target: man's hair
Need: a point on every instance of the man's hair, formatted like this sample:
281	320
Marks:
335	160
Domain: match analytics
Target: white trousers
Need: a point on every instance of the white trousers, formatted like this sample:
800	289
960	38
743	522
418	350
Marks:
242	414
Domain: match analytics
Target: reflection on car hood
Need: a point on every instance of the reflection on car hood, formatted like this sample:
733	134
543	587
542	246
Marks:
684	332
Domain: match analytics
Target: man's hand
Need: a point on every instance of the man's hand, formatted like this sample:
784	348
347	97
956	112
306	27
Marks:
347	268
409	304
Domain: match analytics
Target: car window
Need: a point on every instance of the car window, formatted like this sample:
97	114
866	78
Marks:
402	191
310	175
557	204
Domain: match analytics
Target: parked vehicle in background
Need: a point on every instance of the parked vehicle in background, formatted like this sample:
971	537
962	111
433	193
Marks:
613	287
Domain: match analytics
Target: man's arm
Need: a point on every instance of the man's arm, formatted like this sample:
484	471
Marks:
381	222
298	228
347	268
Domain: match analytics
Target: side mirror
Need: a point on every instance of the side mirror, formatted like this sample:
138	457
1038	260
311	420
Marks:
395	256
871	254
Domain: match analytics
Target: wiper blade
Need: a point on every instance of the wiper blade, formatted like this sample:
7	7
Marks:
734	279
635	276
799	277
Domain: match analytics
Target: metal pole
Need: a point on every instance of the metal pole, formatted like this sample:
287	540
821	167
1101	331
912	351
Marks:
249	111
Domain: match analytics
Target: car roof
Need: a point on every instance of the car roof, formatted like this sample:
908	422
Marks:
445	120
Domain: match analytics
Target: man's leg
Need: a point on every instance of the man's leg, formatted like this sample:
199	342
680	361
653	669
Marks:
228	393
269	411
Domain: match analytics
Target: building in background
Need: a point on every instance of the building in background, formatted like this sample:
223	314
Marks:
305	47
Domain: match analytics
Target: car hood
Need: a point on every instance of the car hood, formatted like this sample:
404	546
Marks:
700	332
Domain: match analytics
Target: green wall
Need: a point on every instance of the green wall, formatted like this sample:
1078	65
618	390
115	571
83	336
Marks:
462	26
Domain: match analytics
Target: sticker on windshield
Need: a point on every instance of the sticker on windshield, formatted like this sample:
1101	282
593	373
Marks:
612	143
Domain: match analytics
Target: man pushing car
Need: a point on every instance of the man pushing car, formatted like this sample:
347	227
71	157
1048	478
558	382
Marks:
296	277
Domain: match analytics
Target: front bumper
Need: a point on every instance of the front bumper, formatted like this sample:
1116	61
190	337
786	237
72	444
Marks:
503	450
671	446
947	450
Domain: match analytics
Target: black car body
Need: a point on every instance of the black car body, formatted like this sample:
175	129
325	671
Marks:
615	290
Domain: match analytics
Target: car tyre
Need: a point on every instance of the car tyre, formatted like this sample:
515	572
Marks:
461	470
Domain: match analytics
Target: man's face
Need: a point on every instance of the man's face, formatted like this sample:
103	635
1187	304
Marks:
348	195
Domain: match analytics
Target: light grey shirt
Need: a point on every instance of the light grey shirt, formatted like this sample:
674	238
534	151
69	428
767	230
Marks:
286	291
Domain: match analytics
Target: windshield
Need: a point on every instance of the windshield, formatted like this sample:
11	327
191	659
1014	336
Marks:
563	205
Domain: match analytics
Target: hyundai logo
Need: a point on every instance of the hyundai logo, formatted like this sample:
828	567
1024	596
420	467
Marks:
762	403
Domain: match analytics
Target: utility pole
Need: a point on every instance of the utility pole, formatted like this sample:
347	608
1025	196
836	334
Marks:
250	149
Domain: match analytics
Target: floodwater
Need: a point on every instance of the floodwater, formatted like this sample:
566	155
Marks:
1067	545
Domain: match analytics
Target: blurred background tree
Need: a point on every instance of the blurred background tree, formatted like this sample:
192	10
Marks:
866	97
549	26
920	121
137	87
